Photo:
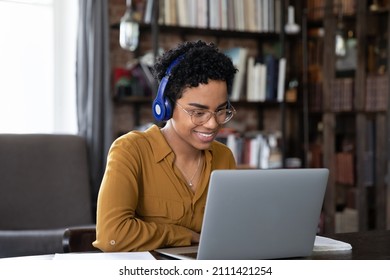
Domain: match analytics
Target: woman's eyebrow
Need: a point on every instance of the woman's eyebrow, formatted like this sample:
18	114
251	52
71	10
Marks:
201	106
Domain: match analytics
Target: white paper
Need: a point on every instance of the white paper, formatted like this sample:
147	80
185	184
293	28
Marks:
322	244
47	257
105	256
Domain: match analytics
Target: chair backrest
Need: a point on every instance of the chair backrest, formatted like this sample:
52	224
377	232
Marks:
44	182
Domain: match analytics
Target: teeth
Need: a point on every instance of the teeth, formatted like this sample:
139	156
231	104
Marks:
206	134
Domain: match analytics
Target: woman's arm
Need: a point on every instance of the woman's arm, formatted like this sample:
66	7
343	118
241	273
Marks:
118	227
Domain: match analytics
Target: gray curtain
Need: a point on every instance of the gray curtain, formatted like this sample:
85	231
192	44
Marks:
94	105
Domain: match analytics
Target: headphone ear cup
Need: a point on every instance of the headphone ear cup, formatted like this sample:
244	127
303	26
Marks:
162	107
159	106
168	109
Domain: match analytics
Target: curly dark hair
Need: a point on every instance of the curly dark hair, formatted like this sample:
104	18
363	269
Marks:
201	62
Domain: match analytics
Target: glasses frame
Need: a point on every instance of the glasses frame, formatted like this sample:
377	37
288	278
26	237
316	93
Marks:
212	114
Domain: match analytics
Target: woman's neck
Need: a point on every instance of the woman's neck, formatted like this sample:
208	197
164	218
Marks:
183	151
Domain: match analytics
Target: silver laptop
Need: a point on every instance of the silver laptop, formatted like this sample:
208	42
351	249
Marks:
259	214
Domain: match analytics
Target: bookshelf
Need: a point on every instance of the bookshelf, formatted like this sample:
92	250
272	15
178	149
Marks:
348	97
269	116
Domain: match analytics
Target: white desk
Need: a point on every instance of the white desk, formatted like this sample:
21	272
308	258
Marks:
87	256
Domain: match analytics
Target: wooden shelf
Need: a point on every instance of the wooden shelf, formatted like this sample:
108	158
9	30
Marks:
358	131
258	43
206	32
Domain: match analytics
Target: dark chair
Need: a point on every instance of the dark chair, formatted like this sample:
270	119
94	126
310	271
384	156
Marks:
79	239
44	189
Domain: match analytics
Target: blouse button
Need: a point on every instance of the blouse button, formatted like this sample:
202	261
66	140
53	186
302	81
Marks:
112	242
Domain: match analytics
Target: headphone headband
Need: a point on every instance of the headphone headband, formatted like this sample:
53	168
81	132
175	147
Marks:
173	64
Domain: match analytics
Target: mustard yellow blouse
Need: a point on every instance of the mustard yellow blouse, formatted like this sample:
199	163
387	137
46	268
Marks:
144	203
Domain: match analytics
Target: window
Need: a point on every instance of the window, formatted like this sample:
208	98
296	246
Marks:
37	69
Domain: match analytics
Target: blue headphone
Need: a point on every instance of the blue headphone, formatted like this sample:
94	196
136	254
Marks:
162	108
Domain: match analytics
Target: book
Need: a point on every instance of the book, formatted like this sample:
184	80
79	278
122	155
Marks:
258	152
345	168
278	16
250	16
202	14
342	94
259	15
256	80
223	21
281	80
231	15
376	93
265	23
233	141
182	13
239	15
260	82
238	56
271	16
271	78
213	14
250	79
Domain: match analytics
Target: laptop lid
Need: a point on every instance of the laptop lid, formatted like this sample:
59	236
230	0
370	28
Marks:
260	214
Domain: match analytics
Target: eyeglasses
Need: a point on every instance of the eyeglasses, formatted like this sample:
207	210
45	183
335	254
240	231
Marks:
199	116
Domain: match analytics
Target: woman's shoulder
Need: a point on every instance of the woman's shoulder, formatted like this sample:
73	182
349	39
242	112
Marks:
223	157
132	138
141	140
219	147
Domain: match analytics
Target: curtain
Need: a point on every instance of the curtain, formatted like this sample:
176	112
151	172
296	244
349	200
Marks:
94	105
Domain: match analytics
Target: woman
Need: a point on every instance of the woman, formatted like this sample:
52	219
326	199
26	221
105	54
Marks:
154	188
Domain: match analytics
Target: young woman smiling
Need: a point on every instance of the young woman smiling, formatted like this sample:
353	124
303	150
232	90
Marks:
154	190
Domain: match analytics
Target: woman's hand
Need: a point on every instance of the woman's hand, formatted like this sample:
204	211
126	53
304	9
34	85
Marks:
195	237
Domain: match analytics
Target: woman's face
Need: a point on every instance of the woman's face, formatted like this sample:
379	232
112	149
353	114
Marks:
206	97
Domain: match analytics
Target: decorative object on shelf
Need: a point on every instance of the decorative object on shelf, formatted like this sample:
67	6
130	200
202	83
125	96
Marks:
379	6
340	41
131	82
349	60
291	27
129	29
292	91
374	6
275	156
380	50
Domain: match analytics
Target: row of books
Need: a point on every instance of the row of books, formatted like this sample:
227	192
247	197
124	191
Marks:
343	90
345	166
258	79
317	8
377	92
266	80
258	150
342	94
238	15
